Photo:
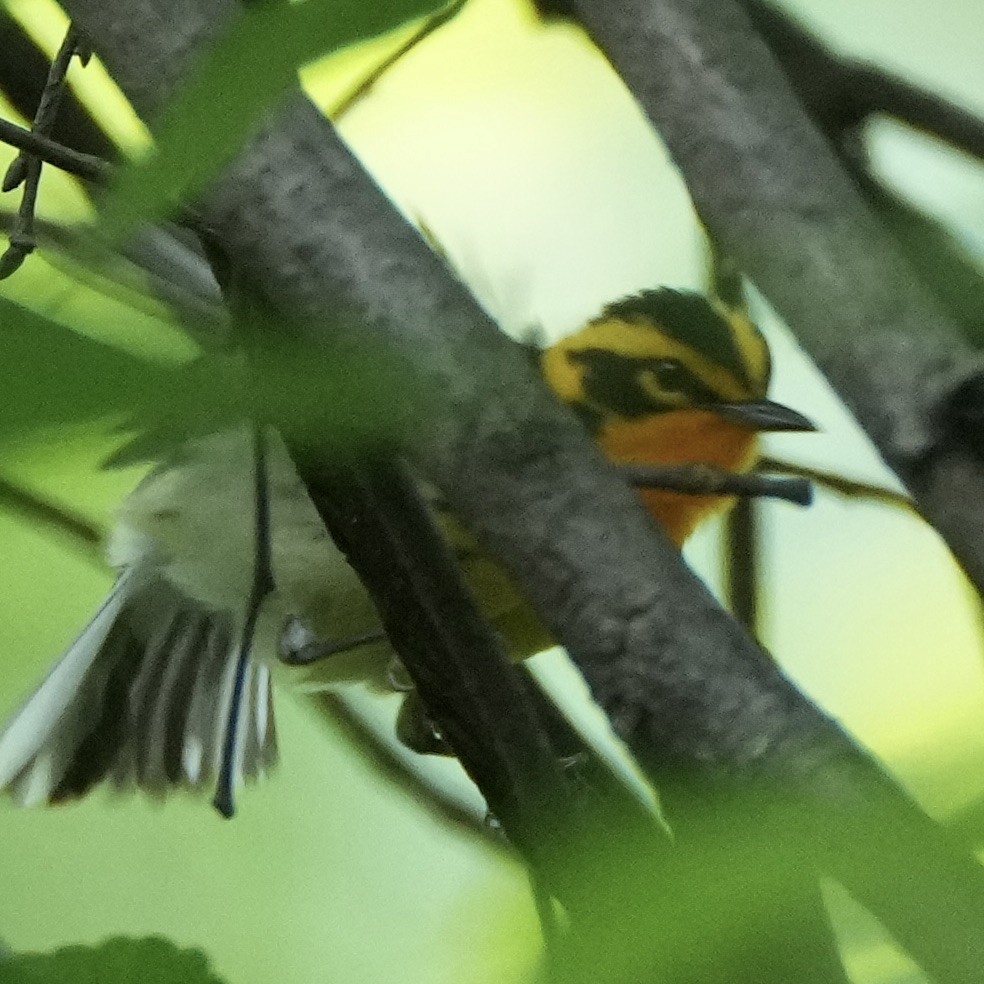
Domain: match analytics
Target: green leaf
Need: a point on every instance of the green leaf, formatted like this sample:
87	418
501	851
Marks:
153	960
52	376
240	81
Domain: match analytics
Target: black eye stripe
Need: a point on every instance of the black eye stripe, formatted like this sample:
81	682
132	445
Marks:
614	381
688	318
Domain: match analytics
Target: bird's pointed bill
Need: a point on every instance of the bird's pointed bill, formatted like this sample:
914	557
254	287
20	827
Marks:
764	415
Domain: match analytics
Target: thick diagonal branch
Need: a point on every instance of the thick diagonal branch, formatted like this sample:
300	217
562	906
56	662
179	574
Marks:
841	92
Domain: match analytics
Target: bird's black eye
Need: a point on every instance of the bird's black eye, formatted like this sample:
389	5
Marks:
670	375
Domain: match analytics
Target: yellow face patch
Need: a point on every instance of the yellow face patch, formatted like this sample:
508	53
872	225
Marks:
645	356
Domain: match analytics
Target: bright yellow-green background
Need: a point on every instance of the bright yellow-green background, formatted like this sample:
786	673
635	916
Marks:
525	157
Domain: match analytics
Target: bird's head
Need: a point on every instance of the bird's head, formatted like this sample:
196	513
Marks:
666	350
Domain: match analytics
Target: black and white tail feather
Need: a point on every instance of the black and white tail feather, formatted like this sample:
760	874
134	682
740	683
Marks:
142	698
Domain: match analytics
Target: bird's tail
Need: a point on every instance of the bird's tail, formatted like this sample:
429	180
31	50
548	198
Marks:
142	697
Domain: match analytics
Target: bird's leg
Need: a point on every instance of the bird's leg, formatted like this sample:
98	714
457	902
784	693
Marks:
262	586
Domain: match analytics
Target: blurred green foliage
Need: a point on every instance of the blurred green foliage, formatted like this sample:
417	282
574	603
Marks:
57	377
116	961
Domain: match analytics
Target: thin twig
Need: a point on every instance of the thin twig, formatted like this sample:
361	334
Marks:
841	484
85	166
741	534
26	168
345	717
430	25
741	569
42	513
698	479
23	70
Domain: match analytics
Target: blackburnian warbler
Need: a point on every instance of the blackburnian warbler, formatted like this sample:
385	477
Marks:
143	696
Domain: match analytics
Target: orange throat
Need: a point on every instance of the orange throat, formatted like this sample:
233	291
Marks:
680	437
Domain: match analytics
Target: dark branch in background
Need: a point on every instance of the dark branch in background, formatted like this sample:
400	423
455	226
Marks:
741	533
360	734
885	93
938	258
25	169
689	692
42	514
840	95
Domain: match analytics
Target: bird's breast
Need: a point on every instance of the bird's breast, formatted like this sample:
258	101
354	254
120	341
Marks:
680	437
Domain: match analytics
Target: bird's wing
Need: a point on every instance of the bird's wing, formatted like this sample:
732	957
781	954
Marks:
142	697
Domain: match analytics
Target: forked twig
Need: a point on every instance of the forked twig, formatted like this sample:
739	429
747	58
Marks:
25	169
37	145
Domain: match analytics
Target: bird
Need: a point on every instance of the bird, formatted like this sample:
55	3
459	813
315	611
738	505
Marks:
147	695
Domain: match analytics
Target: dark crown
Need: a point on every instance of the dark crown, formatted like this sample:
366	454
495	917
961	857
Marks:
688	318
